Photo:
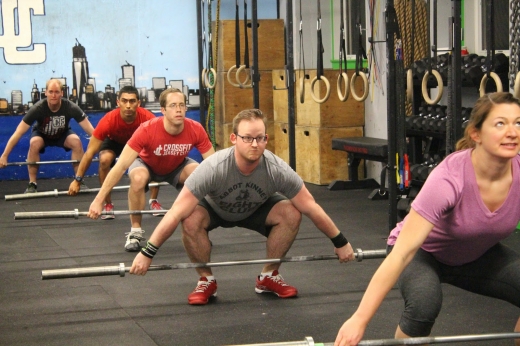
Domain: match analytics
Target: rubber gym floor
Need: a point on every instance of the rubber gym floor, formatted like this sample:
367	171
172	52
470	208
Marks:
153	310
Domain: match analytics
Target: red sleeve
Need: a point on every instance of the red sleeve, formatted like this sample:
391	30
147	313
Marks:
103	127
203	144
136	141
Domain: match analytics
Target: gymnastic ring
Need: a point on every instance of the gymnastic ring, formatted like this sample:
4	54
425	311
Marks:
344	76
302	89
483	82
440	85
365	86
327	86
237	77
409	85
207	81
516	87
203	78
229	77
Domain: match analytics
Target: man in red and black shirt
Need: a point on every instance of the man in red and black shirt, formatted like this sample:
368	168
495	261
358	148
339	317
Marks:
109	138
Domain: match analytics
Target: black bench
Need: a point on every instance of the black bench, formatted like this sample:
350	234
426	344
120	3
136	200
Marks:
360	148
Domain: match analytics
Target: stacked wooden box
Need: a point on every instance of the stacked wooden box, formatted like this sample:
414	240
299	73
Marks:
316	125
230	100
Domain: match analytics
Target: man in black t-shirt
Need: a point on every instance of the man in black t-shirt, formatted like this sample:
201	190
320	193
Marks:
51	117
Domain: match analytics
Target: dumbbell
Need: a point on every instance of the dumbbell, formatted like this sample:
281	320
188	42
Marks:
413	192
413	170
501	63
403	207
419	67
438	124
423	172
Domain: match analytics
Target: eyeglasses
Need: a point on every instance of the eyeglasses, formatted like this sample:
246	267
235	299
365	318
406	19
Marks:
176	105
249	139
131	101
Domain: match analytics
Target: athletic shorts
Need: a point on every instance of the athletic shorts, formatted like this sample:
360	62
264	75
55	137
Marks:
172	178
113	146
255	222
58	142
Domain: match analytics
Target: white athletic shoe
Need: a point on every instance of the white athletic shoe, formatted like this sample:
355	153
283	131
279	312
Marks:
133	239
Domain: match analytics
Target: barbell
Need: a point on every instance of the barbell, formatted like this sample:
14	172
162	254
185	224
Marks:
407	341
31	215
25	163
56	193
121	269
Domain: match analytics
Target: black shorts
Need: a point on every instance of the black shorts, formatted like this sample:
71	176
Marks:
255	222
58	142
114	146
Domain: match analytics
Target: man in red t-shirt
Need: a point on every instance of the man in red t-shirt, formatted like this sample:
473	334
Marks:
158	151
109	139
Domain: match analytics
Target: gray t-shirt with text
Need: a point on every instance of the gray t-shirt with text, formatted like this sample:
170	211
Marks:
235	196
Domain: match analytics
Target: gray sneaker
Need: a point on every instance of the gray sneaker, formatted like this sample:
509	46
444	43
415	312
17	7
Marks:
31	188
83	186
132	240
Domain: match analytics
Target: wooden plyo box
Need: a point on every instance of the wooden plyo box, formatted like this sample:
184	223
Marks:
316	162
223	131
230	100
280	94
281	145
271	44
333	112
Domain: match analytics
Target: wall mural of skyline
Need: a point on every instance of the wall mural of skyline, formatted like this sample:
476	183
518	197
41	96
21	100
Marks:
38	38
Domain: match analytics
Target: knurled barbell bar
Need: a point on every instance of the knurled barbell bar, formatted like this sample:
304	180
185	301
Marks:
56	193
121	269
406	341
31	215
25	163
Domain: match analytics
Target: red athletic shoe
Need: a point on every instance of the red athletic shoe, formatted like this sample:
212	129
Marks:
108	207
205	289
276	285
155	205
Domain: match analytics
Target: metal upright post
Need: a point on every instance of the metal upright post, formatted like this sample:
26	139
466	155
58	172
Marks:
289	53
391	29
456	73
256	76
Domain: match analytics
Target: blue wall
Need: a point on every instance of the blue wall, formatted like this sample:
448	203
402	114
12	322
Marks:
19	154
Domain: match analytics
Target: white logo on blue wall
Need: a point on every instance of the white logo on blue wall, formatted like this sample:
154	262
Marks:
17	32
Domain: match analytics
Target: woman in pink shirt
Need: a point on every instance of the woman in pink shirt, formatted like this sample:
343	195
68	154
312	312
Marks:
452	234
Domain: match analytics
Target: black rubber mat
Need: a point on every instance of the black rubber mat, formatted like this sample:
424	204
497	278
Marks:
153	310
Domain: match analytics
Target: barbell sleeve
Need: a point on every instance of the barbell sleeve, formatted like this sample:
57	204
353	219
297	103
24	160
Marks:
405	341
56	193
31	215
121	269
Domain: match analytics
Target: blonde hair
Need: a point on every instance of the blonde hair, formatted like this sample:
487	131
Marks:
166	92
479	114
54	80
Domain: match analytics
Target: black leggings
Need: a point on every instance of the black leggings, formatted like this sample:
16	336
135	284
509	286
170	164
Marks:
495	274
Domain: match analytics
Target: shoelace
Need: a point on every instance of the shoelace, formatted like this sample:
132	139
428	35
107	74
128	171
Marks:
156	205
135	235
278	279
202	286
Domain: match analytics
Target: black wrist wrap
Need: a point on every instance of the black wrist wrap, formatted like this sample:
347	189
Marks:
149	250
339	240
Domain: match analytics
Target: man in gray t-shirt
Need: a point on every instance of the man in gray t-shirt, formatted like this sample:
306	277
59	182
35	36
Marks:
242	186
